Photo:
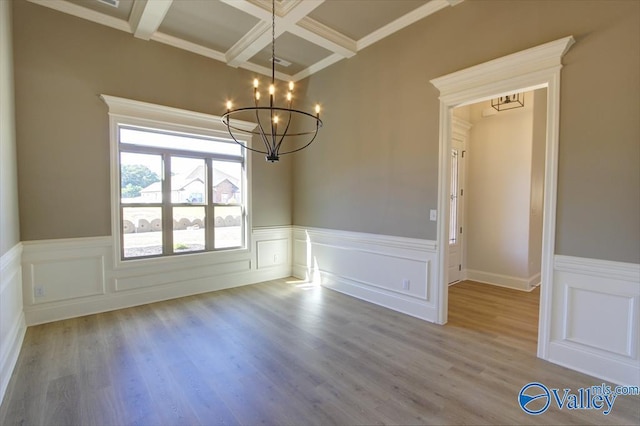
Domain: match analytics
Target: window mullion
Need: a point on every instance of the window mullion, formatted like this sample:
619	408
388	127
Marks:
210	215
167	213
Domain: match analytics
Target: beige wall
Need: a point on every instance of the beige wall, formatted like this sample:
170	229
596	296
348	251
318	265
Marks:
374	168
62	64
9	221
498	191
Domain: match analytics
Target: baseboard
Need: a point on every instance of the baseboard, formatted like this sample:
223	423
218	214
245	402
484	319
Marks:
594	364
12	320
499	280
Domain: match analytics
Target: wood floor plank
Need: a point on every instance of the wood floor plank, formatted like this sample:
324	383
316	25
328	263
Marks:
280	353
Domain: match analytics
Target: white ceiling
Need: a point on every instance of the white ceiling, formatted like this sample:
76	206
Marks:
310	34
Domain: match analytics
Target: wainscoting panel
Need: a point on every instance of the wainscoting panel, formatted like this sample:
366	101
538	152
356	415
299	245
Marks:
596	317
390	271
12	322
75	277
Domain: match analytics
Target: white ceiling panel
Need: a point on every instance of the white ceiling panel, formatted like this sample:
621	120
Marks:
357	18
209	23
300	52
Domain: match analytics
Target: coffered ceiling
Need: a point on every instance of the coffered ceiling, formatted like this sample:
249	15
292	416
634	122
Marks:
310	34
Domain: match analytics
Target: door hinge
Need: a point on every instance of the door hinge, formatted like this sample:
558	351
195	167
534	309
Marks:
459	267
461	192
461	229
463	153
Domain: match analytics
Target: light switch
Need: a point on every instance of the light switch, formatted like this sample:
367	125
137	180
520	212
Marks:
433	215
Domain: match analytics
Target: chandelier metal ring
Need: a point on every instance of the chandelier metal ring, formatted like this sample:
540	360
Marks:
267	128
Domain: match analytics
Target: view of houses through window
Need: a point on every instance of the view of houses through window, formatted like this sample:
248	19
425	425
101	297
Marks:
179	193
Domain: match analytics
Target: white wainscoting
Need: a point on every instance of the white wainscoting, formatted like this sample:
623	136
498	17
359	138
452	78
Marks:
516	283
394	272
595	318
74	277
12	322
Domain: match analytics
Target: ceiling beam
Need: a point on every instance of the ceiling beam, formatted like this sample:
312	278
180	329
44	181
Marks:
146	17
323	36
259	36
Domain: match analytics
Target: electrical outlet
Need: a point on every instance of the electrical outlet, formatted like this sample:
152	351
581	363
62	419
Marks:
433	215
276	258
405	284
39	291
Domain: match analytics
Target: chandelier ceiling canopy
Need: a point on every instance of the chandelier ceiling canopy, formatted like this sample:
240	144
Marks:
275	120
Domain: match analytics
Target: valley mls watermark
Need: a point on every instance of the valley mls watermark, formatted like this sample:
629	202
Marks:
535	398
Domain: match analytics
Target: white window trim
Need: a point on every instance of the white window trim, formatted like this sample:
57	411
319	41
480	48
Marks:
136	113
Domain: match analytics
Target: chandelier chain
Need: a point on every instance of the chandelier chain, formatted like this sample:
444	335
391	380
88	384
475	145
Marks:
267	119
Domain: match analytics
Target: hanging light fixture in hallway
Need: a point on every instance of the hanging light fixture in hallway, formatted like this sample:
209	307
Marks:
514	100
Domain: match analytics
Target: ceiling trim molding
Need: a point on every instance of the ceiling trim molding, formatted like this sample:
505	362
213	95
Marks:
251	8
328	61
259	37
251	43
404	21
323	36
146	17
84	13
265	71
188	46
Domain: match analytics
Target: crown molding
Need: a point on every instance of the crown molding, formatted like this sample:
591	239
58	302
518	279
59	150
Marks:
404	21
84	13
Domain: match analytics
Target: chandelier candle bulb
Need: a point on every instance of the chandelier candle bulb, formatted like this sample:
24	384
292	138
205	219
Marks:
267	118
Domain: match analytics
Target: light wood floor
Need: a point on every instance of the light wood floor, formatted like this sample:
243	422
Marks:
281	353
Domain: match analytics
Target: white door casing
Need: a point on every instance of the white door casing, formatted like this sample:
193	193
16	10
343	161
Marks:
529	69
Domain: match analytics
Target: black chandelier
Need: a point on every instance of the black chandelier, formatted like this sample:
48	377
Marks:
515	100
268	118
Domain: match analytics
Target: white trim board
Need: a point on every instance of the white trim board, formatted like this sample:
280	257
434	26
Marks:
516	283
12	321
394	272
77	276
530	69
595	318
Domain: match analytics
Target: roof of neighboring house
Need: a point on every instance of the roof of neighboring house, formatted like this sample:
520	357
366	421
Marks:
180	182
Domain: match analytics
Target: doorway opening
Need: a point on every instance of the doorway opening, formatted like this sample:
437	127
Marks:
495	217
531	69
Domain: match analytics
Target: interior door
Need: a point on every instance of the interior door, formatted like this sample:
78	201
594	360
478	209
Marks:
456	210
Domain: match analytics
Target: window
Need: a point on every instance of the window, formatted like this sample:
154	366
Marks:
178	188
